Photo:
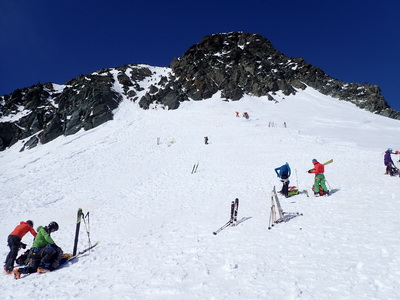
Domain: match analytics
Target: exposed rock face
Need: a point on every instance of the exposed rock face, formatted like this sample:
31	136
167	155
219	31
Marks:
242	63
44	112
233	63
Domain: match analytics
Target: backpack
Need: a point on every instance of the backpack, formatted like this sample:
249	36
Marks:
293	191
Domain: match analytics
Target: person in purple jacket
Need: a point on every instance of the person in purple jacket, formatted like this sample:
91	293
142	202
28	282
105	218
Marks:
387	160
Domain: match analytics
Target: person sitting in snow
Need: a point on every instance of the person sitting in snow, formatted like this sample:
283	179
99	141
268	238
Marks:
43	253
319	180
387	160
14	242
283	172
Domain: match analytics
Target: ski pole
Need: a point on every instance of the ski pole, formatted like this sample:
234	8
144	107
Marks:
270	218
329	186
223	227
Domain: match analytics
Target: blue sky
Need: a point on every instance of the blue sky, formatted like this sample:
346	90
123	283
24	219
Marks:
55	41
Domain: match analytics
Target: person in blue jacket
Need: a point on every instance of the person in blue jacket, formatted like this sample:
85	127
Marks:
283	172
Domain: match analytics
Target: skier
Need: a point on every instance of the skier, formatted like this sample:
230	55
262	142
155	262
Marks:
319	180
246	115
237	114
206	140
43	252
14	242
387	160
283	172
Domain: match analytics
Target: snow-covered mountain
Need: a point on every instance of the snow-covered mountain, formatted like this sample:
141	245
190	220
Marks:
154	219
231	65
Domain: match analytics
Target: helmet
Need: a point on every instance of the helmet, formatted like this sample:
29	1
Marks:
30	222
53	225
314	160
389	149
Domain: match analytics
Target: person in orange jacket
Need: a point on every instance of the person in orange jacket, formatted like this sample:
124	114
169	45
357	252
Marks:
319	180
14	242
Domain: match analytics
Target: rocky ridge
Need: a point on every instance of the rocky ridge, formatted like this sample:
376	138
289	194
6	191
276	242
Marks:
234	63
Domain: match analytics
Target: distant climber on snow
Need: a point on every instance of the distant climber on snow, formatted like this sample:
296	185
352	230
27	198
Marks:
319	180
283	172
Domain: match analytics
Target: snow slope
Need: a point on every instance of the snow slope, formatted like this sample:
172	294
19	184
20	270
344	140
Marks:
154	219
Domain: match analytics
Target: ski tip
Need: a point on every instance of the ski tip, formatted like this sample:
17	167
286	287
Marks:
214	233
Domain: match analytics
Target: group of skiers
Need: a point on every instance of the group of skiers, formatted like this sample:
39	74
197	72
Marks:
44	255
319	188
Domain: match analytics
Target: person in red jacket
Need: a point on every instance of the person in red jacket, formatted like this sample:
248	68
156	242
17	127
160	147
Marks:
14	242
319	179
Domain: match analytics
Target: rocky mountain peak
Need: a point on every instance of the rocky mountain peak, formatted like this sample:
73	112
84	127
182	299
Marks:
233	64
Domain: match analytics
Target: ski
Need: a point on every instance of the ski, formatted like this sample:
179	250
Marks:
278	203
78	225
232	211
235	211
325	163
283	216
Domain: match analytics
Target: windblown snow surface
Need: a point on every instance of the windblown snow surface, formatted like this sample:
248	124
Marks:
154	219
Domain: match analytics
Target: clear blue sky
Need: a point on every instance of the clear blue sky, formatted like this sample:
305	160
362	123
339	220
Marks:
55	41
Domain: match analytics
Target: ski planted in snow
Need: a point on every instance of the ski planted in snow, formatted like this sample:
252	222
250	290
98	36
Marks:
235	211
233	219
78	225
283	216
277	202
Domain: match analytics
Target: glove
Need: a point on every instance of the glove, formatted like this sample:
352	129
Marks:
309	171
22	245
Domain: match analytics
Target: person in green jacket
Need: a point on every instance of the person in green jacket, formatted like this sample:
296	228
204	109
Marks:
42	253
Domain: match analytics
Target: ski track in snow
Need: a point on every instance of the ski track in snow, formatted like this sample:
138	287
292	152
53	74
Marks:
154	219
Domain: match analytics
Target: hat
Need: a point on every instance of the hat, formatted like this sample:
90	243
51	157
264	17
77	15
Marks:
314	160
30	222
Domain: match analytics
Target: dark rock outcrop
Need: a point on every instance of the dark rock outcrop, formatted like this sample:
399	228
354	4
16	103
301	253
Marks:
42	113
243	63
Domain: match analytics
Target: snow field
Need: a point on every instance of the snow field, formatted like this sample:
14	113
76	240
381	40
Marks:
154	219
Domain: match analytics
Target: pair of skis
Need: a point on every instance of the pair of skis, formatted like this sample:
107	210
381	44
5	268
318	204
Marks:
81	216
283	216
233	219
